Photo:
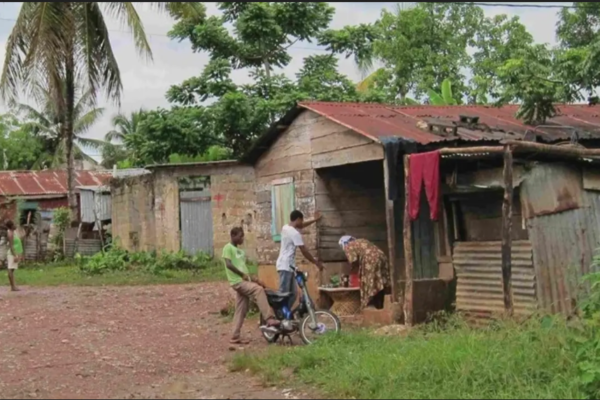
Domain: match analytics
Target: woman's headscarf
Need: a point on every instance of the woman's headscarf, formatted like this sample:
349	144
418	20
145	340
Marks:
345	240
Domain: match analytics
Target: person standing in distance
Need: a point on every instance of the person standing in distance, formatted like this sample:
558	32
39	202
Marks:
11	251
291	239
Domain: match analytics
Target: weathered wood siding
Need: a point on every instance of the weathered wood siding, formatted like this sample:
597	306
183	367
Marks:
288	157
335	145
352	201
355	204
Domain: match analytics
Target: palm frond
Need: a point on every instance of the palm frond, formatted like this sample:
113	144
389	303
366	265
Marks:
126	13
96	54
32	114
87	120
113	136
90	143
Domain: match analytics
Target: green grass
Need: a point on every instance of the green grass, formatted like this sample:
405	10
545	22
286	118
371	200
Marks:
506	362
65	273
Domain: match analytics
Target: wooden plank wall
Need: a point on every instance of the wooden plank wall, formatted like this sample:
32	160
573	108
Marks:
334	145
312	142
289	156
352	201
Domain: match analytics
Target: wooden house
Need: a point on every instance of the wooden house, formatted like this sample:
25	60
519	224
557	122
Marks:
515	248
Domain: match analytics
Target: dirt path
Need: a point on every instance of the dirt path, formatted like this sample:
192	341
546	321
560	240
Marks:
121	342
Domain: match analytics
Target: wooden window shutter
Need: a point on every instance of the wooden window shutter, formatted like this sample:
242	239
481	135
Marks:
282	205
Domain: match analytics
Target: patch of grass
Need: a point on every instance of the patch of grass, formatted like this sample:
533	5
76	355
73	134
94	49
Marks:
506	361
67	273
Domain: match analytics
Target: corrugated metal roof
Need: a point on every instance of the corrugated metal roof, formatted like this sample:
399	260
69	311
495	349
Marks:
378	121
123	173
381	120
194	164
31	183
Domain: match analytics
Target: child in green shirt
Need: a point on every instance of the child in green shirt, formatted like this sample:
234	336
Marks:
15	253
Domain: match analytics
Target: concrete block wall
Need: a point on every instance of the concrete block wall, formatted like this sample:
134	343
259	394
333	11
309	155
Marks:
133	213
146	208
234	204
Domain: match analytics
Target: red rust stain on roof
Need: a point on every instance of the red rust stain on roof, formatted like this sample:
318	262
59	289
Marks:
32	183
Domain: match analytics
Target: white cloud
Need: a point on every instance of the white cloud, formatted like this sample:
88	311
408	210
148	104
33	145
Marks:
145	83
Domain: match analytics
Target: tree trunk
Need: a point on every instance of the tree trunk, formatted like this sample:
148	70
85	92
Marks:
68	130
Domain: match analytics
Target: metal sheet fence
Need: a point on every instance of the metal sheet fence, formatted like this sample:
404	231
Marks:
479	272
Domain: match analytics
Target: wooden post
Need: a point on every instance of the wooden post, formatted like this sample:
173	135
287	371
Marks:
506	230
408	252
391	231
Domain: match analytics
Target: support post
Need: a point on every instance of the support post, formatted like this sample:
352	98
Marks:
506	230
408	251
391	231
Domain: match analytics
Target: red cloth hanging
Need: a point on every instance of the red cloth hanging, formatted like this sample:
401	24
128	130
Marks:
424	168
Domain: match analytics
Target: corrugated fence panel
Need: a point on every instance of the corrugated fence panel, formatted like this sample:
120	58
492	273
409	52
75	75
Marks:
87	206
479	272
196	222
85	247
563	247
104	206
33	252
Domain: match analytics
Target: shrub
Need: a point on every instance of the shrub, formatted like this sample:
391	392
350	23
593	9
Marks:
117	259
586	338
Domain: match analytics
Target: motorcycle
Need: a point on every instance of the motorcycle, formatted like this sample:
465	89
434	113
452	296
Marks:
304	319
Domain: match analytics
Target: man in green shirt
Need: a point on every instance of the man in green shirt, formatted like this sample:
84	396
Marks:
247	287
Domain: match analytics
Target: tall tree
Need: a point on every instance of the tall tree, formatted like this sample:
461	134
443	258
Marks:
497	40
418	47
45	123
578	31
185	131
263	32
20	148
124	125
238	114
60	45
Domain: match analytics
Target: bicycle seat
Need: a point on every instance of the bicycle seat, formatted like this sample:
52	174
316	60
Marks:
277	295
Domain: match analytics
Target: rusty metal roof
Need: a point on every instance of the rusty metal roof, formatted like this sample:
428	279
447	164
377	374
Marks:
35	183
381	120
378	121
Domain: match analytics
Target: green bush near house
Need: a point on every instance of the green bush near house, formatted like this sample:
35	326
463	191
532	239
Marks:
119	267
118	259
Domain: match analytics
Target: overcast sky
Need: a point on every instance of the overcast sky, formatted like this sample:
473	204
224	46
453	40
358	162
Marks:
145	83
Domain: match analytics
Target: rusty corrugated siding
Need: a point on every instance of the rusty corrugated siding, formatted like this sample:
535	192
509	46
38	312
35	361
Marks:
383	120
31	183
479	273
563	247
551	188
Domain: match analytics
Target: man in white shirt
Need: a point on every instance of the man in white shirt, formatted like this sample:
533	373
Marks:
291	239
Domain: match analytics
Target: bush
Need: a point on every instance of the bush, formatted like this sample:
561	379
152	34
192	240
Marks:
117	259
586	338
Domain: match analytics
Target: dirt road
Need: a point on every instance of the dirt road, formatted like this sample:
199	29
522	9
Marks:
121	342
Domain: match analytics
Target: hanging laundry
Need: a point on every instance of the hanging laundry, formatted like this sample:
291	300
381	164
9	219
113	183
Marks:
424	169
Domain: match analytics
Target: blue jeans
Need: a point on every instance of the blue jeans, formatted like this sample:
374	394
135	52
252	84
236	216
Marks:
287	283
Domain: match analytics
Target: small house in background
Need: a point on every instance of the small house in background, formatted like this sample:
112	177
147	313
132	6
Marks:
350	161
30	198
189	206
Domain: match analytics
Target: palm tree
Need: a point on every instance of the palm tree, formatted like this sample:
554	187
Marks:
124	126
65	44
45	123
